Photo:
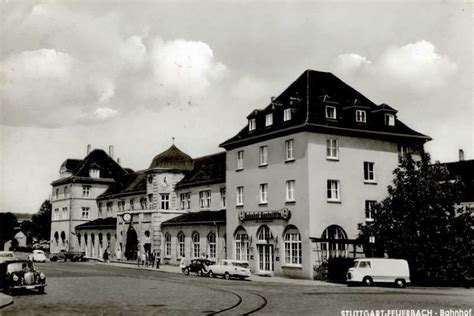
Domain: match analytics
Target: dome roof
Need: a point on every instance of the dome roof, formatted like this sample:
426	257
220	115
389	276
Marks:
173	158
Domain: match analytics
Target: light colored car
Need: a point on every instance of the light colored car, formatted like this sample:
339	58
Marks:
38	256
230	269
7	255
379	270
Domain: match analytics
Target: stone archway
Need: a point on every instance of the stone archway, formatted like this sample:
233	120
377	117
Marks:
132	244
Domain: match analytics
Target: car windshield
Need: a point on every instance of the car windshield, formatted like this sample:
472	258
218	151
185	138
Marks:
240	264
355	264
18	266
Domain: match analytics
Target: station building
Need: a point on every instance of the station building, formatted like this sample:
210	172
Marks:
304	172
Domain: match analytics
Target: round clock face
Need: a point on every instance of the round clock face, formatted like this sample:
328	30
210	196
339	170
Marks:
241	215
127	217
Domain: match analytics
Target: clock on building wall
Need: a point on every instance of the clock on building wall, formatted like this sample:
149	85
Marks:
127	217
164	182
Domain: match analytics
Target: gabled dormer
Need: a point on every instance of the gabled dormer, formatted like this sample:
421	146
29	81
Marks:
94	171
356	112
385	115
252	120
330	108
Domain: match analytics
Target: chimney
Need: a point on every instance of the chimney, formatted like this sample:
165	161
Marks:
111	151
118	160
461	155
272	99
88	149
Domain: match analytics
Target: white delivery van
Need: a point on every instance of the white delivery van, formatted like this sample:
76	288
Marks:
370	270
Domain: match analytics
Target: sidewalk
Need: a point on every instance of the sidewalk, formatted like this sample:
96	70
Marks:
5	300
270	279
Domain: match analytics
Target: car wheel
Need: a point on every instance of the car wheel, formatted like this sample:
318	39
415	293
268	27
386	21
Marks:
199	273
53	259
227	276
367	281
211	274
400	283
41	290
186	271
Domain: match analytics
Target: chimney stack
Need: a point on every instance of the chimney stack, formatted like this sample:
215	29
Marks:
88	149
461	155
118	160
111	151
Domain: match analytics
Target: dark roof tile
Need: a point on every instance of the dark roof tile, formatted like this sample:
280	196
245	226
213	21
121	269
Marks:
196	218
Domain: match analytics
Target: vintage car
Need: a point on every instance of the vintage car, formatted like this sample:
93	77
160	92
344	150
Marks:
6	255
230	269
37	256
65	255
21	274
198	266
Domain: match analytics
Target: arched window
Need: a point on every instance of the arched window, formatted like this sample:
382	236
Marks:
181	247
211	239
331	246
92	239
63	236
85	239
79	239
241	244
167	244
101	243
196	245
292	239
264	234
56	236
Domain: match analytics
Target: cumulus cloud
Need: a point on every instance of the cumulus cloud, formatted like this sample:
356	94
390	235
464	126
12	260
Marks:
415	66
98	76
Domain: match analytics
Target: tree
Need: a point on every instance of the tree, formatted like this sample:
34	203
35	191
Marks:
42	221
8	223
419	221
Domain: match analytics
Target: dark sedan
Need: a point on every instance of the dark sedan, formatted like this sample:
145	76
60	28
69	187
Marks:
198	266
21	274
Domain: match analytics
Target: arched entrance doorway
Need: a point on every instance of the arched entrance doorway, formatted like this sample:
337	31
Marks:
132	243
333	242
265	249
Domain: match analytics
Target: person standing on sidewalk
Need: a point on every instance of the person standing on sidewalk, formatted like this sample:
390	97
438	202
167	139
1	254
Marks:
139	257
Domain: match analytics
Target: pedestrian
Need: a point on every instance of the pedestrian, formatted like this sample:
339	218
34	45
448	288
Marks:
118	254
139	257
144	259
158	259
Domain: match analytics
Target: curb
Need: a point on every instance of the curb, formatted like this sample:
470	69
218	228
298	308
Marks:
5	300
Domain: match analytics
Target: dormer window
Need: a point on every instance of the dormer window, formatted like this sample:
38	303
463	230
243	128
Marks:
286	115
269	120
252	124
331	112
94	173
360	116
389	119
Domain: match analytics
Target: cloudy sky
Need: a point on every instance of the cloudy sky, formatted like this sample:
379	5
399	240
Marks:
134	74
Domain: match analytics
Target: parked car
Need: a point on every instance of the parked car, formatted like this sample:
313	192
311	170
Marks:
67	255
38	256
230	269
198	266
21	274
6	255
368	271
42	245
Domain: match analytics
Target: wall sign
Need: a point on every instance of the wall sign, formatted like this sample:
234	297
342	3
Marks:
283	214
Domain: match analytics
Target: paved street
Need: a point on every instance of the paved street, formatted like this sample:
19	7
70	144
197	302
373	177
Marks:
92	288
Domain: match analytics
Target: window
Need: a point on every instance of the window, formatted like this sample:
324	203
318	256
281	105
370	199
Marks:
167	244
292	247
369	175
65	191
289	149
263	155
57	193
211	239
332	149
181	245
205	199
240	196
290	190
94	173
196	246
240	160
252	124
121	205
86	190
333	190
264	193
132	204
332	246
143	203
241	245
264	234
364	264
331	112
56	213
185	200
165	201
369	211
85	213
360	116
286	115
222	191
269	119
150	200
390	119
99	206
65	215
109	207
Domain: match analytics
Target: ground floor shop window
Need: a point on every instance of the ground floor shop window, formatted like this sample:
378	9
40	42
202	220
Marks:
292	247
